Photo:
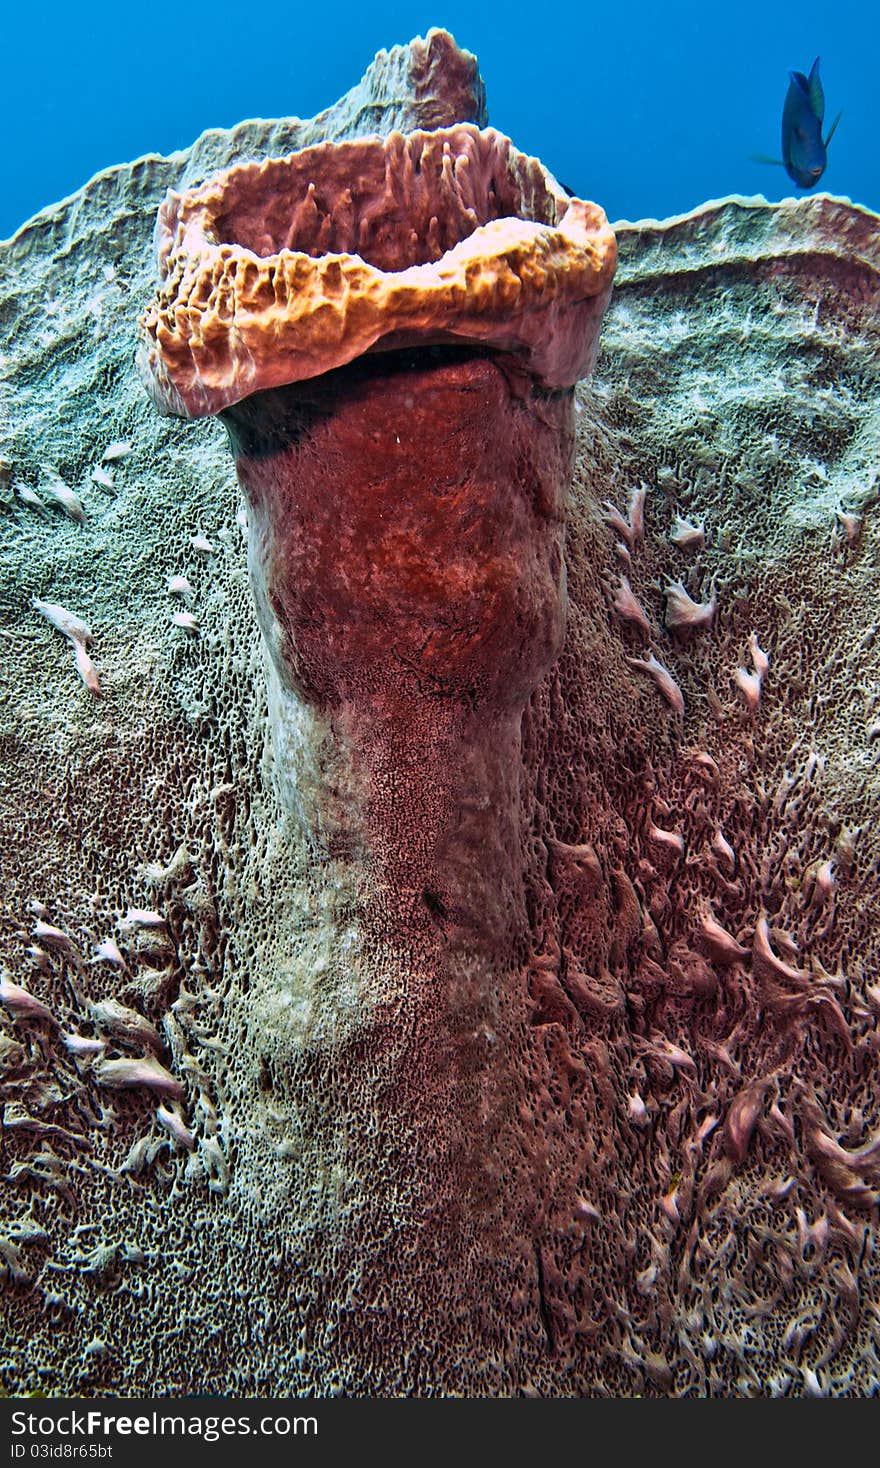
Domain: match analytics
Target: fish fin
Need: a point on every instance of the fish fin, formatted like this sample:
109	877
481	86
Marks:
765	158
815	92
832	127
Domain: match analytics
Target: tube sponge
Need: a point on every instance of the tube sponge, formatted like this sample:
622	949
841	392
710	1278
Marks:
278	271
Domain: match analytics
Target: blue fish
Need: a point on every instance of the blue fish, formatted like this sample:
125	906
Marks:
804	151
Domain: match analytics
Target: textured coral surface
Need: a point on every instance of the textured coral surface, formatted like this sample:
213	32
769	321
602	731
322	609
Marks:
630	1143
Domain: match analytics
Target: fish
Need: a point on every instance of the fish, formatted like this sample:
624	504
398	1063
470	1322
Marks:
804	150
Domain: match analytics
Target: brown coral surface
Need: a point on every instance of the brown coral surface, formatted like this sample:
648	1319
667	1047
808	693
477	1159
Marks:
629	1144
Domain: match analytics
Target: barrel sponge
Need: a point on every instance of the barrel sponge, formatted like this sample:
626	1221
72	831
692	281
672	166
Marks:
278	271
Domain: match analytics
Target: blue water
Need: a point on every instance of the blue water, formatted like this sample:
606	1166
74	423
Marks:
649	116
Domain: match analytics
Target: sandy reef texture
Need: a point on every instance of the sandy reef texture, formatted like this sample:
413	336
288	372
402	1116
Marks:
630	1143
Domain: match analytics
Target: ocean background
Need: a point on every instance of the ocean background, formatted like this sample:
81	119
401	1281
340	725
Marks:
649	116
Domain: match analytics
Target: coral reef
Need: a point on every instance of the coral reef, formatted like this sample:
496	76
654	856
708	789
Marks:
628	1144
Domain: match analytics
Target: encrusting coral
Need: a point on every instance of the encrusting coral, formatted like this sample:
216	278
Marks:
509	1048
